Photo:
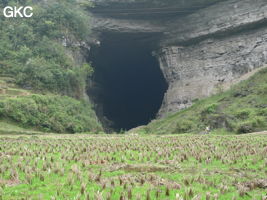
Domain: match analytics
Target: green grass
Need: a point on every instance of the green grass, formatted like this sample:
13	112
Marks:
133	167
242	109
11	128
43	112
51	113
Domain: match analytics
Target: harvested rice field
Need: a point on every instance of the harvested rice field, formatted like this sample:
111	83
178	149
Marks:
133	167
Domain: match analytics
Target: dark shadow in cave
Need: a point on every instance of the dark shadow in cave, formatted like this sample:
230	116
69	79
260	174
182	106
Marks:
130	83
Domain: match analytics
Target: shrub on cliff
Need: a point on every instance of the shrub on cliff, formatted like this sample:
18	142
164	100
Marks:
184	126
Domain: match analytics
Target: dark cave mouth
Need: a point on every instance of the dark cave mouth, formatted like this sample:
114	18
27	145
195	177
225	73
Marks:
129	85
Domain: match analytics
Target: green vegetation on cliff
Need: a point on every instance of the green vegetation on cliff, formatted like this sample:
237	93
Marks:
38	55
31	49
242	109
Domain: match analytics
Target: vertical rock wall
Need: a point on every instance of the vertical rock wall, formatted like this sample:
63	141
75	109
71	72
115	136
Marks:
211	48
200	70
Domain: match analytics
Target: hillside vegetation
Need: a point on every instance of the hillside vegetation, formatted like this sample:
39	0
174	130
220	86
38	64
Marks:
41	83
31	49
242	109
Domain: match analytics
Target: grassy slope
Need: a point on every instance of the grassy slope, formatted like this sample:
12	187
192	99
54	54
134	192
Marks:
25	111
241	109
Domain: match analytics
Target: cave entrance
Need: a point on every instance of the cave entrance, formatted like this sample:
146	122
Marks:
130	85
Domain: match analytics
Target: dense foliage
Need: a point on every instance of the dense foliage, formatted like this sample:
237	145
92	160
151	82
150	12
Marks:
37	53
242	109
50	113
31	49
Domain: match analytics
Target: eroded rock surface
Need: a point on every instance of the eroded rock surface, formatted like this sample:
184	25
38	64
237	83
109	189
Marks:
209	44
200	70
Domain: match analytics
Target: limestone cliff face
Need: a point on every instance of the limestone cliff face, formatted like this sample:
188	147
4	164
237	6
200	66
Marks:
219	44
212	43
200	70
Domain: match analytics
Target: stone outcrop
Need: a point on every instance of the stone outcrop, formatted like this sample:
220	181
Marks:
102	24
225	17
210	44
200	70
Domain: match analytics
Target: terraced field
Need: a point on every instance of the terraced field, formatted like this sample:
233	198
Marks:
133	167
